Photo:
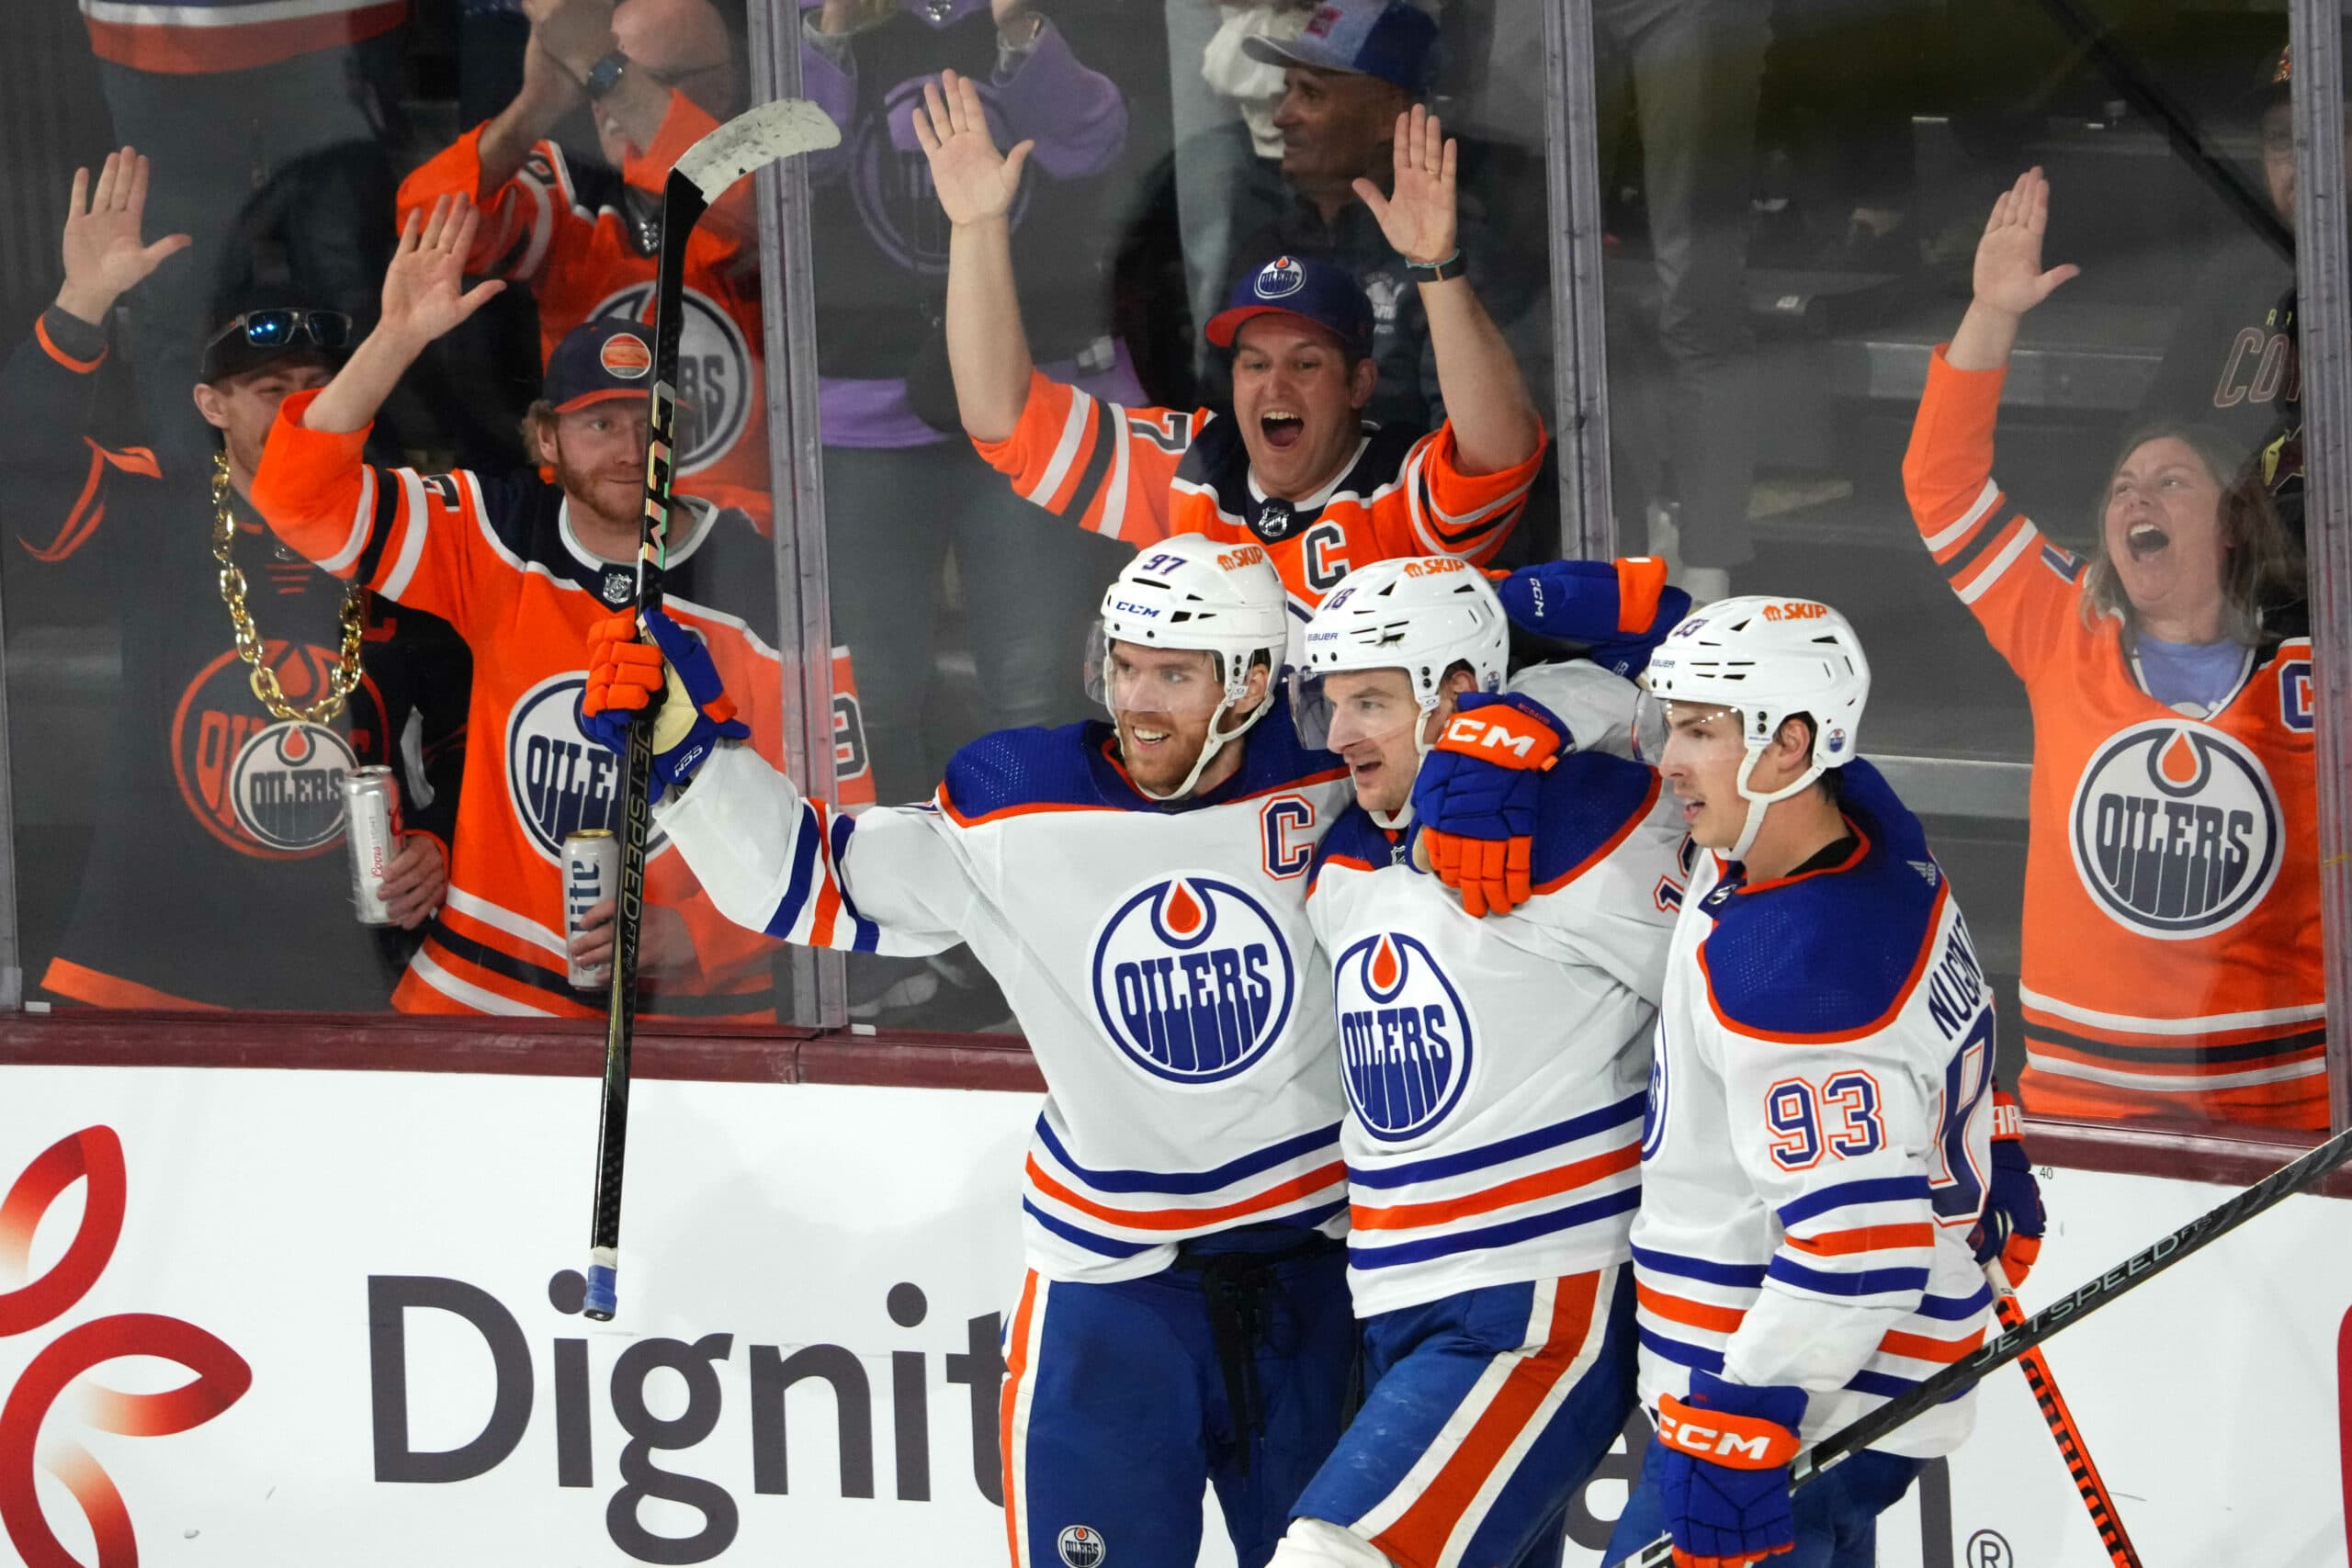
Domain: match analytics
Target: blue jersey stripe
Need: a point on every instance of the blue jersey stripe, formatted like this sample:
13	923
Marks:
1675	1350
1191	1183
1954	1309
1878	1190
1493	1236
866	934
804	864
1087	1240
1742	1275
1867	1282
1886	1385
1552	1137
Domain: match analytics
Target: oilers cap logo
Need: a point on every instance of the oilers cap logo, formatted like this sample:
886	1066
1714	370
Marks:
558	780
1405	1035
1192	979
1082	1546
1280	278
714	385
2176	829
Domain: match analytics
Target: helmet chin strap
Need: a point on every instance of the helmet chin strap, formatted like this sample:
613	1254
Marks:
1211	744
1422	746
1759	803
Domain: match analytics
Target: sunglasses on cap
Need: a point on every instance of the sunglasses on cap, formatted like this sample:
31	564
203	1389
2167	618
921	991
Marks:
285	328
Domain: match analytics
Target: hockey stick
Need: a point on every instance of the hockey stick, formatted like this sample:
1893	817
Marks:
2068	1310
2079	1464
702	174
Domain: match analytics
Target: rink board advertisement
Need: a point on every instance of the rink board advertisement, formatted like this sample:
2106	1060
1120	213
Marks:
262	1317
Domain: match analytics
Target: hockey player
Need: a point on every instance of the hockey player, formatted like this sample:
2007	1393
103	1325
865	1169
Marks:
1138	890
1494	1071
1293	466
1815	1149
522	569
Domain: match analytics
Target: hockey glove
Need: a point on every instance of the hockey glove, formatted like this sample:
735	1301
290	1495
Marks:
1618	610
1474	799
1724	1471
2011	1228
673	677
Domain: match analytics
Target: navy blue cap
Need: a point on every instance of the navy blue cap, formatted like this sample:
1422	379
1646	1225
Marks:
1388	39
1293	286
609	357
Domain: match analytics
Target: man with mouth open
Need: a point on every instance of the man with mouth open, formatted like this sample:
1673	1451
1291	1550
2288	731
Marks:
1494	1071
1293	466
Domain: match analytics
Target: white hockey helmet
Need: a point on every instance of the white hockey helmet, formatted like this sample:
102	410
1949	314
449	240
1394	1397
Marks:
1769	659
1190	592
1422	615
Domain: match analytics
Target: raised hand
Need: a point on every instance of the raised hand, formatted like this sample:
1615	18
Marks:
2009	276
1419	214
576	33
105	257
424	291
975	182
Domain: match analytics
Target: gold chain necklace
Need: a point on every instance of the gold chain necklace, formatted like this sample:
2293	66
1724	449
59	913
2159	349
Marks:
249	644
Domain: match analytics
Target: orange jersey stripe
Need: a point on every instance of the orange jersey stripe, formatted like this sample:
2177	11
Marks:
1524	1189
68	979
1680	1309
1864	1239
1299	1187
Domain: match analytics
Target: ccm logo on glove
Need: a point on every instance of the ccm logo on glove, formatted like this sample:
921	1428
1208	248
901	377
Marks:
1738	1441
1501	729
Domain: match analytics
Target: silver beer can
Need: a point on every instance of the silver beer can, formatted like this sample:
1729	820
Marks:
371	826
592	874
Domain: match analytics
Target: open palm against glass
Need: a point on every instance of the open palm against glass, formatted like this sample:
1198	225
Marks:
105	257
2009	276
975	183
1418	215
424	291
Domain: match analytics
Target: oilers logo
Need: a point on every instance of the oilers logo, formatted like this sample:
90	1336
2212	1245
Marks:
269	788
1192	979
1405	1035
714	373
1082	1546
2176	829
558	780
1280	278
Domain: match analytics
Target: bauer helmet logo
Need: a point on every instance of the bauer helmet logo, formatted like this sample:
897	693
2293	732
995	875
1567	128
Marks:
1193	979
1405	1035
626	355
1081	1546
2176	829
1280	278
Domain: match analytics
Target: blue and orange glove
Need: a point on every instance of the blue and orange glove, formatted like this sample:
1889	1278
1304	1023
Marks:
2013	1223
1618	610
1724	1471
673	678
1474	799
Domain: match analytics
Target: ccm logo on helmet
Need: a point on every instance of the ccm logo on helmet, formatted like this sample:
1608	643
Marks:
1795	610
2176	829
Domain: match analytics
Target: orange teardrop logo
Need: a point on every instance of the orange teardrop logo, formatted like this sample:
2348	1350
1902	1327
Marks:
1181	915
1385	967
2178	761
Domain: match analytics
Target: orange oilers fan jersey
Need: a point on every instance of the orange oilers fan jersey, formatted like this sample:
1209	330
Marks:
2172	934
586	240
498	560
1144	474
200	37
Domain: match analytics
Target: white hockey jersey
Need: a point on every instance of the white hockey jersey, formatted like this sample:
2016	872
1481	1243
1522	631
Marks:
1157	958
1818	1133
1495	1067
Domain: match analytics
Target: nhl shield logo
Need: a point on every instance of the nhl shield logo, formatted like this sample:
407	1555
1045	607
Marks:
558	780
1082	1546
1280	278
1405	1035
2176	829
1192	979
